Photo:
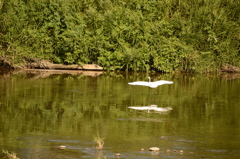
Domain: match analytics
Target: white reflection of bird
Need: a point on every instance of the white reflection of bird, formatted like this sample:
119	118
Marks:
152	107
150	84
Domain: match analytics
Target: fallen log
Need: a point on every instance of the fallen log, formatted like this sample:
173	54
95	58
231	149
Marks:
48	65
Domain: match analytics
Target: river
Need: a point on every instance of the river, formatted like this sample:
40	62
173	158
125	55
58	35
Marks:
41	110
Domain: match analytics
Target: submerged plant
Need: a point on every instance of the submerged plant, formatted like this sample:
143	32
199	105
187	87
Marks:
99	142
11	155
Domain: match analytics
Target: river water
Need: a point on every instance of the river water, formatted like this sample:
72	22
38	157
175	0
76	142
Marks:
41	110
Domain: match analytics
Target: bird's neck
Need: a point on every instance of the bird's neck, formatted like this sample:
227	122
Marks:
149	79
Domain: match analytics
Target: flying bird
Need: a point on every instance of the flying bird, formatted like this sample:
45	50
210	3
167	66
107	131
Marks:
149	83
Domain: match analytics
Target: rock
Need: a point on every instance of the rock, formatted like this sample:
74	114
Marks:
61	147
154	149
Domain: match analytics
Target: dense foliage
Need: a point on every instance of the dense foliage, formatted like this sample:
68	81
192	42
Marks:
139	35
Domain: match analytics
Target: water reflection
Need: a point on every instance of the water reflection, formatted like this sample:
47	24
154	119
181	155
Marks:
152	107
41	112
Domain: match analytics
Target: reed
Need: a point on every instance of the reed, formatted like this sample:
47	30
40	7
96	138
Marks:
9	155
100	142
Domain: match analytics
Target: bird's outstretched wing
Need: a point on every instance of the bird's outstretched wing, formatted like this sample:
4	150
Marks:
150	84
140	83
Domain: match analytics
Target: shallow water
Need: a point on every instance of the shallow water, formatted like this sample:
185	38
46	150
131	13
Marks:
41	110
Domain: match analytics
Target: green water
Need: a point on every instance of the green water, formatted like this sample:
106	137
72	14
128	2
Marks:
40	111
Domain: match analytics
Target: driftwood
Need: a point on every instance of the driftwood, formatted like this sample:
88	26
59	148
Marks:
6	62
43	73
48	65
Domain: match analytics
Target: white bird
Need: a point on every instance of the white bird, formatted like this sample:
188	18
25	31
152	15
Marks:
150	84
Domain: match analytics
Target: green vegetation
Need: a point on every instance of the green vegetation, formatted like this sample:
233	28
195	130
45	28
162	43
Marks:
139	35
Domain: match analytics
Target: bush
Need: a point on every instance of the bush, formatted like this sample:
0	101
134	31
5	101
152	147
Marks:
166	36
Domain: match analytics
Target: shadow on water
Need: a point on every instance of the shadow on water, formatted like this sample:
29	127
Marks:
42	110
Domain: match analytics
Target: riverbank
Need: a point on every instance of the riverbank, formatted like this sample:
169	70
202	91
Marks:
7	63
